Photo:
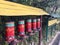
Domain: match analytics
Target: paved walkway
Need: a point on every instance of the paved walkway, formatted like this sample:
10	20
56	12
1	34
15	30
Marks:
56	39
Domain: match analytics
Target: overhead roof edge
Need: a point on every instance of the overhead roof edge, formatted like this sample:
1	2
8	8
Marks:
15	9
52	22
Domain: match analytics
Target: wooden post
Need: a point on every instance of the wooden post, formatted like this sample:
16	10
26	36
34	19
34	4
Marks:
51	31
46	29
40	33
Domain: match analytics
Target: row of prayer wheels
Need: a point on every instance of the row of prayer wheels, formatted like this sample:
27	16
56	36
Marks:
24	28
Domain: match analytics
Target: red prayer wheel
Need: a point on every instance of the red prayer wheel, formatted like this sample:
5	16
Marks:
29	26
34	24
21	28
38	24
9	31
